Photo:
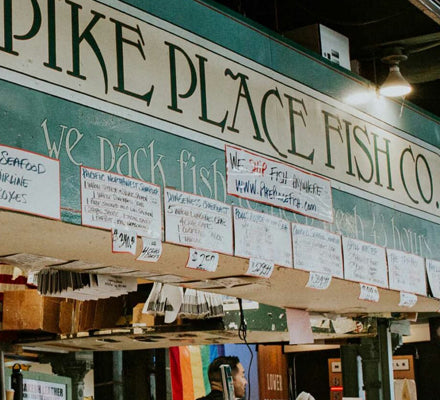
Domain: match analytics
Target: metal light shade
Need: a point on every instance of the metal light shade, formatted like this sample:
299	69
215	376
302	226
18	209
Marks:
395	85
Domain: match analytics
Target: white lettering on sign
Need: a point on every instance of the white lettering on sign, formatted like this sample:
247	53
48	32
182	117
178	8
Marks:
433	270
274	382
262	236
407	272
123	241
197	221
151	250
364	262
260	268
317	250
252	176
111	200
407	299
319	281
369	293
29	183
203	260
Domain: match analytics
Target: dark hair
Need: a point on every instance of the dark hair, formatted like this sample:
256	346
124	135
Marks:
214	373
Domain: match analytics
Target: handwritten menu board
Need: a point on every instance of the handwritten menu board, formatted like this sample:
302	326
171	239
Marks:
262	236
197	221
254	177
317	250
364	262
433	270
407	272
29	182
110	200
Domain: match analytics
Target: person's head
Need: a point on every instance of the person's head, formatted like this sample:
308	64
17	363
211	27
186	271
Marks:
237	372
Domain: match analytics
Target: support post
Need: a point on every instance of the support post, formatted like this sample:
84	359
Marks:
350	381
386	358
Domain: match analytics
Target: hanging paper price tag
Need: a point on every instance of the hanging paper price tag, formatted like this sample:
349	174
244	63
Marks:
369	293
407	299
260	268
319	281
151	250
123	241
201	259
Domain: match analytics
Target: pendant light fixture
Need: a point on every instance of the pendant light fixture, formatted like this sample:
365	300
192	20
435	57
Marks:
395	85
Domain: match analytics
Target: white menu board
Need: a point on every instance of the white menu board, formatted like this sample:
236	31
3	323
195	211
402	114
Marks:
433	270
30	183
317	250
197	221
262	236
116	201
255	177
364	262
407	272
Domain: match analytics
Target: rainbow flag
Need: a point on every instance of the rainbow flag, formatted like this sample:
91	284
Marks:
189	370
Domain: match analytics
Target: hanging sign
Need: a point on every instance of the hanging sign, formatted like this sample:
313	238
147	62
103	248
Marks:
319	281
111	200
262	236
407	272
203	260
260	268
123	241
255	177
369	293
364	262
407	299
29	183
151	250
317	250
433	270
197	221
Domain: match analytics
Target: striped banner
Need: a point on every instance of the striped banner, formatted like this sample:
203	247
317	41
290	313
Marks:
189	370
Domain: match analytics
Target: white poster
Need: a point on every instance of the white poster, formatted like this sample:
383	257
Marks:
407	272
262	236
255	177
197	221
39	390
364	262
317	250
29	183
433	270
111	200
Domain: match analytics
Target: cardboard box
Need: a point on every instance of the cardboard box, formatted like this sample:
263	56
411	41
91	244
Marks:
28	310
142	319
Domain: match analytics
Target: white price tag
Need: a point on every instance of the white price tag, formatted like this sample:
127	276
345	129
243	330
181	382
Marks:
407	299
123	241
201	259
319	281
369	293
151	250
260	268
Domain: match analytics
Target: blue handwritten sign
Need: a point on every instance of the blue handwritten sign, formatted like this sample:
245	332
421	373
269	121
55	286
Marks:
29	182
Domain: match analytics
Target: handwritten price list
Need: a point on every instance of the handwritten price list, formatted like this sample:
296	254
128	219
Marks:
198	222
433	270
317	250
407	272
364	262
29	182
262	236
111	200
261	179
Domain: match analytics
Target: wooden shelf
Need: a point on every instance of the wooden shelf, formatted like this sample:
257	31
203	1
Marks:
21	233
